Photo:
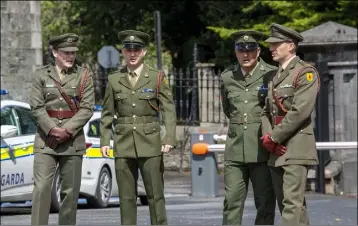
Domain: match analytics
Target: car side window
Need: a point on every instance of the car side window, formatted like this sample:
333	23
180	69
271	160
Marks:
8	118
94	129
27	122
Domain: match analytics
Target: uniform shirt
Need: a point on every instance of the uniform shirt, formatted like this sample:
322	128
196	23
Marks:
284	65
136	71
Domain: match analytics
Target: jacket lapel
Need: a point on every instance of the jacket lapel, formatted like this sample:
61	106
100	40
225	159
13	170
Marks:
70	76
143	78
53	73
285	72
238	76
256	75
123	79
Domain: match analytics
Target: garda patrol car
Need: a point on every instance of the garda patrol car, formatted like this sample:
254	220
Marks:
18	130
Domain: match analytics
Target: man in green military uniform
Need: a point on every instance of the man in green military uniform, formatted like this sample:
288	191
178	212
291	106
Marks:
135	95
286	124
60	139
244	88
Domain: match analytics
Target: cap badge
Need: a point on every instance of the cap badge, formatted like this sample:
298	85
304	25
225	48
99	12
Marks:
70	40
131	37
246	37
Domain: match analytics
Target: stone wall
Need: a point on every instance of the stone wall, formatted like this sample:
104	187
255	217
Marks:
21	46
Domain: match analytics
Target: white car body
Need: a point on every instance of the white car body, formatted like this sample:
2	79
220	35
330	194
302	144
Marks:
17	158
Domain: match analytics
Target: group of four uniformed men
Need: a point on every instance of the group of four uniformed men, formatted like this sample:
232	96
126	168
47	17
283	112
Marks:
270	138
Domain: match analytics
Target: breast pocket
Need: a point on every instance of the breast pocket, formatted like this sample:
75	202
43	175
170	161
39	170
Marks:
147	96
50	93
120	98
71	92
148	100
260	97
286	95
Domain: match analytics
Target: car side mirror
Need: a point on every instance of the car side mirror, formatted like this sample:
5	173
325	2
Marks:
8	131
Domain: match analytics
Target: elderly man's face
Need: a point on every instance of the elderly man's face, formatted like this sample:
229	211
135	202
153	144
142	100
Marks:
64	59
248	58
133	57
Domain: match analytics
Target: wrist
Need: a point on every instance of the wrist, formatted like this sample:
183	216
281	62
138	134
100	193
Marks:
272	139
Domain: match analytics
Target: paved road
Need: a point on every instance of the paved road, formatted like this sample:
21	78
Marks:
186	210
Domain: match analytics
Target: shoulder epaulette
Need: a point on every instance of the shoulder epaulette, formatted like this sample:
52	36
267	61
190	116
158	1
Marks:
271	66
303	63
152	68
230	68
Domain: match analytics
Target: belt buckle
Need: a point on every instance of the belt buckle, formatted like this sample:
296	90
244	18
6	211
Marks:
60	114
245	119
134	119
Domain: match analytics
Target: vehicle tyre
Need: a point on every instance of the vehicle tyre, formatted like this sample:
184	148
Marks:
55	193
143	200
103	191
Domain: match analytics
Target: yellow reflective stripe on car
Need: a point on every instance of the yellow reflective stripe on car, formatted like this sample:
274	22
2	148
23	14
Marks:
19	152
96	153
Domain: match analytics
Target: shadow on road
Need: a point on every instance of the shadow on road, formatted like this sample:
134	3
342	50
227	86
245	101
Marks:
11	211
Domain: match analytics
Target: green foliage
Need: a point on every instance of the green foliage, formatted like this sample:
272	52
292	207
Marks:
224	33
226	17
97	24
151	58
208	23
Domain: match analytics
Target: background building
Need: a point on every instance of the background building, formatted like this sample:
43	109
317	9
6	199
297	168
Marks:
21	46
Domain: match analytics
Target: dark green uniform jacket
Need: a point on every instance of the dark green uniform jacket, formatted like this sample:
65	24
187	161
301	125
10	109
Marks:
137	128
45	96
242	103
295	130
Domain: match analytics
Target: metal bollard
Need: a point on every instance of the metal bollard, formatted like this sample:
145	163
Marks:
204	172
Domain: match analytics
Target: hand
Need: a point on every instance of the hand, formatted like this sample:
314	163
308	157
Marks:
268	143
51	142
105	151
166	148
280	149
60	134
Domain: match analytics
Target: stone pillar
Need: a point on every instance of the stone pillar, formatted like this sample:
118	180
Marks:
21	46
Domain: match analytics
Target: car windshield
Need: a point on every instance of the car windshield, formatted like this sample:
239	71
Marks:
7	117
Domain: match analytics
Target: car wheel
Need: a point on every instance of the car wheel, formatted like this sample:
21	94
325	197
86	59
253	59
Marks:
55	194
143	200
103	191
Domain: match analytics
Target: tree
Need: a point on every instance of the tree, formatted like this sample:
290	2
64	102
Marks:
224	18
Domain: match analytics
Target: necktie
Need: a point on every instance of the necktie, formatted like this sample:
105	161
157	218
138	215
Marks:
133	78
280	70
62	74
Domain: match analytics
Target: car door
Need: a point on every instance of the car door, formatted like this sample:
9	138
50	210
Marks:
28	129
17	155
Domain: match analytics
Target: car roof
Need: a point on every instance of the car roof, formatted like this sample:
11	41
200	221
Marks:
5	103
96	115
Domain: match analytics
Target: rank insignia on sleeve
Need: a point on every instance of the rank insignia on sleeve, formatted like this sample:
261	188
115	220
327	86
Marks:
309	76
